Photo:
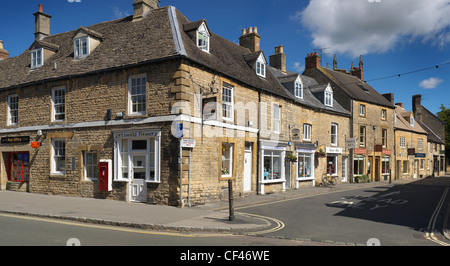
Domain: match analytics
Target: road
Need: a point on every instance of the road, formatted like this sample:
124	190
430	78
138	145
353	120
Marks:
394	215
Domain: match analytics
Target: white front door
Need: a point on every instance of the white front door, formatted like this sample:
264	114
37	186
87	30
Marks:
248	171
138	187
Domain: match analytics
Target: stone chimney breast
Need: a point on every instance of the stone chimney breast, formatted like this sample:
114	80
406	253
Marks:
143	7
250	39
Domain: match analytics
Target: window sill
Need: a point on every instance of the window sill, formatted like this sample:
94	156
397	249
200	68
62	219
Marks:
273	181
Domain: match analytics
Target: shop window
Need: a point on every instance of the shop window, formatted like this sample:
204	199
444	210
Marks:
332	165
385	167
405	167
358	165
227	160
137	159
422	164
272	165
305	165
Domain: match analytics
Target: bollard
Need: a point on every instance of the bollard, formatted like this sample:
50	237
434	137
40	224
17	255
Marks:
231	199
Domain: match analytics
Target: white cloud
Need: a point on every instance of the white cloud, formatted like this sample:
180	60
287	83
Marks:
430	83
360	27
298	67
118	14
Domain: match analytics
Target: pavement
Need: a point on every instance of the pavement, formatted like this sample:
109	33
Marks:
210	217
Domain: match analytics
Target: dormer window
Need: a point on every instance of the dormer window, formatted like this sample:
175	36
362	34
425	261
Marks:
411	120
328	97
261	66
85	41
203	38
81	47
37	58
298	88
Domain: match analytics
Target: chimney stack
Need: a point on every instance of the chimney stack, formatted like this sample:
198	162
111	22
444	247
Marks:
389	97
399	104
278	60
3	53
42	24
358	71
142	7
250	39
416	103
312	61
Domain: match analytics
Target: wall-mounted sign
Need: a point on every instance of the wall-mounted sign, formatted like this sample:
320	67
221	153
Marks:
421	155
35	144
411	151
210	108
187	143
15	140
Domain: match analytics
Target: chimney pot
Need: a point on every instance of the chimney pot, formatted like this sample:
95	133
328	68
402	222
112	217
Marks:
251	39
244	32
42	24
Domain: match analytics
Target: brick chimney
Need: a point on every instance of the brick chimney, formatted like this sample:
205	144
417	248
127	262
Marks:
358	71
42	24
312	61
278	60
3	53
142	7
389	97
250	39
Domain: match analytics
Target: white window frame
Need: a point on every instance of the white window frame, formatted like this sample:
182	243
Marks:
411	120
261	66
298	88
13	110
383	114
37	58
335	135
420	144
307	128
362	137
402	142
78	48
303	158
56	153
228	103
203	38
131	102
276	118
122	156
267	176
328	97
230	169
362	110
94	164
56	104
384	137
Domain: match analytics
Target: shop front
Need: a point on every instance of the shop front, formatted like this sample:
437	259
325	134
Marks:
305	164
272	168
15	170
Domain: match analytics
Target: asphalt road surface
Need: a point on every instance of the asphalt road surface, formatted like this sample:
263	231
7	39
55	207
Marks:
390	215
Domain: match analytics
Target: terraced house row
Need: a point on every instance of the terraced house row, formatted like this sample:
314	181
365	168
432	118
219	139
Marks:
156	108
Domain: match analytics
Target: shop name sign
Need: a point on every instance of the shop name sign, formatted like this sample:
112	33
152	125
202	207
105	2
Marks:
10	140
188	143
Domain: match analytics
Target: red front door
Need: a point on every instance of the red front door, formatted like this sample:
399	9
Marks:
19	167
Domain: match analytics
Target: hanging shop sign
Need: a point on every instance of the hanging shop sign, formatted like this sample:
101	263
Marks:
15	140
35	144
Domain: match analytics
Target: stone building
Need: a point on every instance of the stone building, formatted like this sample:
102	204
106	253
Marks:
372	117
436	135
411	155
155	108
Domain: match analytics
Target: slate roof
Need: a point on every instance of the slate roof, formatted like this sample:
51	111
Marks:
351	85
310	87
162	34
403	124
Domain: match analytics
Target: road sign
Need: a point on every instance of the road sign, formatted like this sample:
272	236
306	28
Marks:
179	133
188	143
350	143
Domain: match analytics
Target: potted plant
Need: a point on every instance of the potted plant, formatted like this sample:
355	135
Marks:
320	154
291	158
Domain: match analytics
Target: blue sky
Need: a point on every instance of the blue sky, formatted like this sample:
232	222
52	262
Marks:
394	36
